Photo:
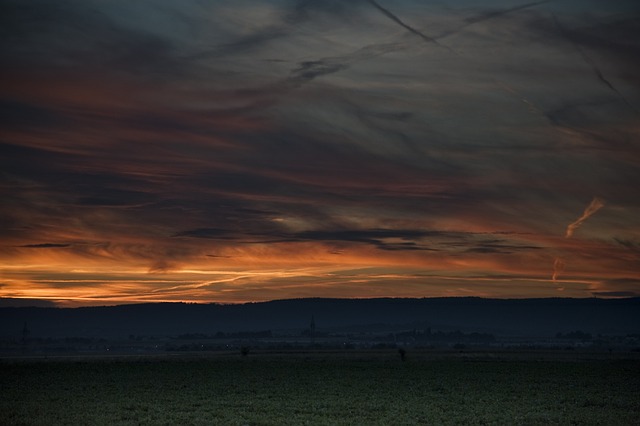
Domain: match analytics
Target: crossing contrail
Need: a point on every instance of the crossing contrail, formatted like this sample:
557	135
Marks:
394	18
594	67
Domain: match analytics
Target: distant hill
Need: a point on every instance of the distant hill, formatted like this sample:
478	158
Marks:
511	317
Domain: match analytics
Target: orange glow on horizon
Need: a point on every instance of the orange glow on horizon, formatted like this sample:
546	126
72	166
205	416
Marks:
288	270
213	161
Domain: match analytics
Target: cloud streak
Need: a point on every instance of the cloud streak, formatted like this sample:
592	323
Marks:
266	149
595	205
401	23
592	64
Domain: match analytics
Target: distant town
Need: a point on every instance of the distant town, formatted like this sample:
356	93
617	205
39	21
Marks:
337	325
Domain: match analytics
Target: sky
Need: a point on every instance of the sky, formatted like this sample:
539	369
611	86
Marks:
250	150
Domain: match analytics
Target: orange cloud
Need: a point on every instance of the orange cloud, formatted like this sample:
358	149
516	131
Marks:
595	205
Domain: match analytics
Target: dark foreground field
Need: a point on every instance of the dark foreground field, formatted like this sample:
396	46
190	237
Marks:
325	388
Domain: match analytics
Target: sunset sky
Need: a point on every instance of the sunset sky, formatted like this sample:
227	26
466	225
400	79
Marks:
249	150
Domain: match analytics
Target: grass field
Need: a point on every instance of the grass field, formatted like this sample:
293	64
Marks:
331	389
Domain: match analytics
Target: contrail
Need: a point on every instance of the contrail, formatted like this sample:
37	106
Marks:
495	14
558	266
398	21
594	67
531	105
487	16
596	204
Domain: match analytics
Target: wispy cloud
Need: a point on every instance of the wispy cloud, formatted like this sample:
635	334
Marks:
400	22
157	151
596	69
46	245
595	205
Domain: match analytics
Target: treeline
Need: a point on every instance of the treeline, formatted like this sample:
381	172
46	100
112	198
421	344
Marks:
574	335
262	334
443	336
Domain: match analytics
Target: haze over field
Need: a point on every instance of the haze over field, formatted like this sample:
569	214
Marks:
257	150
612	322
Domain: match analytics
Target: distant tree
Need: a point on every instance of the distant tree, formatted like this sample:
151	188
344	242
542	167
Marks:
312	329
403	354
244	350
25	336
574	335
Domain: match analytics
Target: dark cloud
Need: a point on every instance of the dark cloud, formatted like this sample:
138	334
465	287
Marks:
378	238
162	266
309	70
209	233
15	114
246	44
365	235
156	138
8	302
303	10
386	12
46	245
618	287
502	247
492	14
615	38
477	17
594	66
616	293
384	239
629	244
605	46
